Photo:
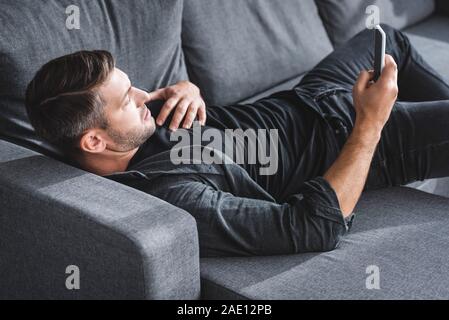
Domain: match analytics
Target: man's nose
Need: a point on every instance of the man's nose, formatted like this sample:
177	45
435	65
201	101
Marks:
141	97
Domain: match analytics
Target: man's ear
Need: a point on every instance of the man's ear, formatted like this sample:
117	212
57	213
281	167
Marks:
92	141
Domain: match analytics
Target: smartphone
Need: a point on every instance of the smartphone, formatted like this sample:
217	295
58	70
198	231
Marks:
380	41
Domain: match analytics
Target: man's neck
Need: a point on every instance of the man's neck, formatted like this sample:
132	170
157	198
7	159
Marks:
107	163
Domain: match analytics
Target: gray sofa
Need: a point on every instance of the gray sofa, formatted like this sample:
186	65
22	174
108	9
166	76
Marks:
130	245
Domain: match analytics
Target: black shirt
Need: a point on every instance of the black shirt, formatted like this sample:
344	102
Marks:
238	210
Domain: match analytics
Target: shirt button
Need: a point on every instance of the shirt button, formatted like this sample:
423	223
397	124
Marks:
337	131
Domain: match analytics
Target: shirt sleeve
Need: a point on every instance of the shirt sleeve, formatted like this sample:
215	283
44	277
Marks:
310	221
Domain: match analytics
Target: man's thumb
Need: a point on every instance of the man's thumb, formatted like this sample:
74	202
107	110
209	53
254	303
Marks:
156	95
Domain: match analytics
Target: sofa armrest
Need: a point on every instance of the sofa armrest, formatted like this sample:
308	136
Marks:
125	243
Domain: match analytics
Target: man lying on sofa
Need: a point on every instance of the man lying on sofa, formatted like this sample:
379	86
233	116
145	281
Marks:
339	133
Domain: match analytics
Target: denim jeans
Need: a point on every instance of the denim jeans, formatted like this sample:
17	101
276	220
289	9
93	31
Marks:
415	141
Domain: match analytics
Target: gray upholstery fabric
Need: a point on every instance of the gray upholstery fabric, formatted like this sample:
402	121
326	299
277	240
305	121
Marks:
132	245
127	244
400	230
431	38
343	19
143	35
237	49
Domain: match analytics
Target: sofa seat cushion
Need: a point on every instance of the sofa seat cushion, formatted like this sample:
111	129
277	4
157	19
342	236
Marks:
237	49
143	35
343	19
431	38
401	231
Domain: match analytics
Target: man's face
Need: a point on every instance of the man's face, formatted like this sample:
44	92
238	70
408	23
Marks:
130	122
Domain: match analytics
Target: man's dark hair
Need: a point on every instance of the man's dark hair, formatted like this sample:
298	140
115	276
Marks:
62	101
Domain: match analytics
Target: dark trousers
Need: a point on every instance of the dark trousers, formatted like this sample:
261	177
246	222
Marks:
415	141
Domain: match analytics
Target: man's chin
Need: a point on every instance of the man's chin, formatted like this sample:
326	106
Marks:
151	127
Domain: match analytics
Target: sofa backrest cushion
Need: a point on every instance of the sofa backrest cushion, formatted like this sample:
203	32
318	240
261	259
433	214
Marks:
343	19
237	49
144	36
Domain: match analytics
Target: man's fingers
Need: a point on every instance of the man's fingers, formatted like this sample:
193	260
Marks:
389	78
179	97
202	113
156	95
390	72
179	114
190	115
166	109
363	81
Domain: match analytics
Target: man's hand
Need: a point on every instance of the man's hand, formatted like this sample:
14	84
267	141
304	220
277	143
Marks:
186	98
373	102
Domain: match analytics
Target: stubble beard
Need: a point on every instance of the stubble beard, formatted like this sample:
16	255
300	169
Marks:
130	140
